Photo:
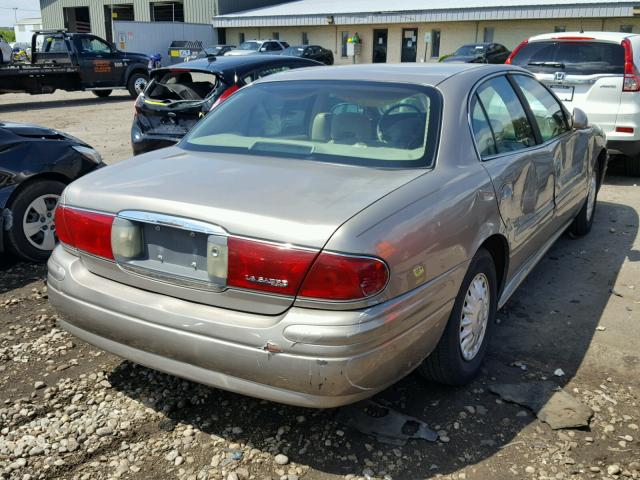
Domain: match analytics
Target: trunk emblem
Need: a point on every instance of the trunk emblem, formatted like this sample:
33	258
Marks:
560	76
274	282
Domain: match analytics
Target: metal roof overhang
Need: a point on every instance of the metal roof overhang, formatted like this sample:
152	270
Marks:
427	16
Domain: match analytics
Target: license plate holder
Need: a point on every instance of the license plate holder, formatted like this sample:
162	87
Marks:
563	92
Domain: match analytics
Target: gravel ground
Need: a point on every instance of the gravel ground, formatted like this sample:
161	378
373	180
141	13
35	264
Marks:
70	411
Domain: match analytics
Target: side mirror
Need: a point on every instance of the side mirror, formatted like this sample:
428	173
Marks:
263	49
580	120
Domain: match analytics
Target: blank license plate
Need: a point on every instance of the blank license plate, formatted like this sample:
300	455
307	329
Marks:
563	92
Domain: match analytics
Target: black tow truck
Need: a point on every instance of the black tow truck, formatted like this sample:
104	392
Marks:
75	61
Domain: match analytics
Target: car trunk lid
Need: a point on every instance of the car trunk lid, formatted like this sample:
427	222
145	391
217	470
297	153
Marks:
299	203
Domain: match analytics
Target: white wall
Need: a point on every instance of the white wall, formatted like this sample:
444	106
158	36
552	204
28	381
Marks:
24	32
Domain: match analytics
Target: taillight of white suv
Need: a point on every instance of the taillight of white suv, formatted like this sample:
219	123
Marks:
631	81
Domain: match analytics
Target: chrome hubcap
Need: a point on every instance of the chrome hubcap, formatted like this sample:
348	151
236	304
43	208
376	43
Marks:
38	223
591	196
475	316
139	85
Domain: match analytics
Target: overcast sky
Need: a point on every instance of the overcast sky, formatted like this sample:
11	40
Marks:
26	8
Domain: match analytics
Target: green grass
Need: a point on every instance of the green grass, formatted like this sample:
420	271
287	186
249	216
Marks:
8	34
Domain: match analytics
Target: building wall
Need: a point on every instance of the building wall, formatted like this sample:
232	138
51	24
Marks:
24	32
195	11
452	34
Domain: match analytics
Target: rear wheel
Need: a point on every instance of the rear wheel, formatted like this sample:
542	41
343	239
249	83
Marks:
584	220
102	93
32	235
137	83
459	354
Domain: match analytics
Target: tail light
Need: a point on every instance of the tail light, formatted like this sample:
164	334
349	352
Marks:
343	277
268	267
515	51
86	231
278	268
252	264
226	94
631	81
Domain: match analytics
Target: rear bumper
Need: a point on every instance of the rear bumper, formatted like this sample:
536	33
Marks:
145	142
630	148
349	355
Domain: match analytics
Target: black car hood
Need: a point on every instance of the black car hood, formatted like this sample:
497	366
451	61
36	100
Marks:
36	132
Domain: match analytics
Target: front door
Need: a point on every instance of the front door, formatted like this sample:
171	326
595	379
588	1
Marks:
102	66
409	51
380	46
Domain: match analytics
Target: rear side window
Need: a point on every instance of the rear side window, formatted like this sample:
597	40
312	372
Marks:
481	129
574	58
546	110
511	128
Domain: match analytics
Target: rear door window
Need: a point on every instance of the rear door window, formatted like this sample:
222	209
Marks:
572	57
507	117
481	130
546	110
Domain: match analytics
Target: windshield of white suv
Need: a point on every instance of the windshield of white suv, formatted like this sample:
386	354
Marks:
349	122
249	46
578	57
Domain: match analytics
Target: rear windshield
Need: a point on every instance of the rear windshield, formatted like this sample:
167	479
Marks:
181	86
361	123
575	58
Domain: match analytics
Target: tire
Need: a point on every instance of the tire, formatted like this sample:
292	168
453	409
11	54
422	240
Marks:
25	208
632	166
134	83
102	93
584	220
447	363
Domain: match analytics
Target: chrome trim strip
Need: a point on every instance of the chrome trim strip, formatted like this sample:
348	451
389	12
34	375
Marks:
171	279
172	221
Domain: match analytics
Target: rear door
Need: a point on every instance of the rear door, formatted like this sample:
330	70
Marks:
522	172
584	73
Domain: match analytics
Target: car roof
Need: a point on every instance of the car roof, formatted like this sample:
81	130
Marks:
419	74
616	37
229	66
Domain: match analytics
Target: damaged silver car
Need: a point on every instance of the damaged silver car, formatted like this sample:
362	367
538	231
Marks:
326	231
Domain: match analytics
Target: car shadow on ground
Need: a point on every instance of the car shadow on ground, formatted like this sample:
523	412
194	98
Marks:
15	274
74	102
546	325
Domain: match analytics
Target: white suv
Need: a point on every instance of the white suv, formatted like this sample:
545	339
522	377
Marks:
253	47
597	72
